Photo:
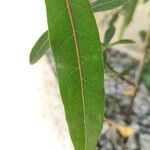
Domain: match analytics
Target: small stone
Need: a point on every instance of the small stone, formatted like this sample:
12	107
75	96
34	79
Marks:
146	121
135	119
131	144
136	127
145	141
110	87
141	107
121	88
108	146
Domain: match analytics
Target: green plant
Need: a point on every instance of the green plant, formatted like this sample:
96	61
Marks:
79	57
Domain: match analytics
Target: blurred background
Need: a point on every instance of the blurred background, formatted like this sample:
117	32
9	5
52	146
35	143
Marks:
31	112
127	76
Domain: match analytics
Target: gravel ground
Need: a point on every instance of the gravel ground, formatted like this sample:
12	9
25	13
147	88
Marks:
117	107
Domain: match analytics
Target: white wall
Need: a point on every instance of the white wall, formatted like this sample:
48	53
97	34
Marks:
31	116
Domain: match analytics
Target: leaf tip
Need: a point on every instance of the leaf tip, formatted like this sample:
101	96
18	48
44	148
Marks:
31	59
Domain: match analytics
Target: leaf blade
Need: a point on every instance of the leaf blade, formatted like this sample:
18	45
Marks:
104	5
123	41
79	65
109	34
130	8
145	75
40	48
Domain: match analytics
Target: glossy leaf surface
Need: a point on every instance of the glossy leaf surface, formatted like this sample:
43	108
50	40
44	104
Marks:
77	53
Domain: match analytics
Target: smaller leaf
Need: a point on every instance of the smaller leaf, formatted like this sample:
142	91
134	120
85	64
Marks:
109	35
143	35
113	19
40	48
129	10
146	75
103	5
123	41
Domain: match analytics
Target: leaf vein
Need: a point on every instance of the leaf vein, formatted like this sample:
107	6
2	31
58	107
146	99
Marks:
79	65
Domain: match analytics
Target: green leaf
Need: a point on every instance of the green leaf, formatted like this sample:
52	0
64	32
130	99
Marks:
146	75
109	34
103	5
129	11
40	48
143	35
123	41
113	19
78	57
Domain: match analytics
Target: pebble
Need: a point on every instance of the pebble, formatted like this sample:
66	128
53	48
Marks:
146	121
145	141
141	107
131	144
114	100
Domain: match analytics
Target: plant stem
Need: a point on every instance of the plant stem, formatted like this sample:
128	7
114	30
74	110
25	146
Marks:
138	78
119	75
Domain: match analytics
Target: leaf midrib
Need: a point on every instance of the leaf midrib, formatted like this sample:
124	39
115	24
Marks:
79	64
